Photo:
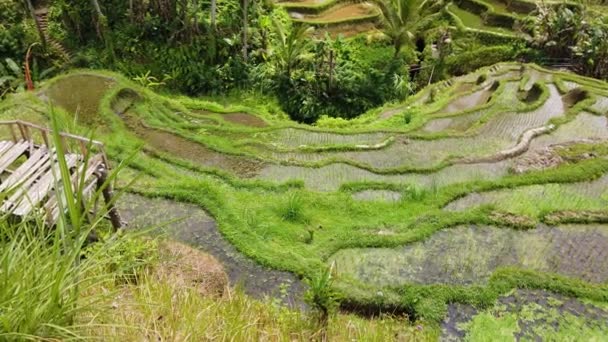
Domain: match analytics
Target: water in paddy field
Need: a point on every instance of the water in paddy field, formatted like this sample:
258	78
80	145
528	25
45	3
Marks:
190	224
468	255
533	315
591	195
331	177
80	95
178	146
501	132
472	100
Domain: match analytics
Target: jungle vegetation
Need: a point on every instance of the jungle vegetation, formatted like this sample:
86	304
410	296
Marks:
406	169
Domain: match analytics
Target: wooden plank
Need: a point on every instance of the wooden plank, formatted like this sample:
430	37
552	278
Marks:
33	163
12	129
21	187
51	206
13	154
52	209
5	146
33	181
42	188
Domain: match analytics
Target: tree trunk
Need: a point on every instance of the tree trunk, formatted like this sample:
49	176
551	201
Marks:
195	19
213	14
100	20
245	7
32	11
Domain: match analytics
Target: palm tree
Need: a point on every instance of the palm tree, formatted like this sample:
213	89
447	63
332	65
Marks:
291	47
398	19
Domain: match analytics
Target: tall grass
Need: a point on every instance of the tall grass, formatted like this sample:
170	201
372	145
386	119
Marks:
164	311
45	270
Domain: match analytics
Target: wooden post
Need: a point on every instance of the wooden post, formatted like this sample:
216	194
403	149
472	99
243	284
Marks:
102	176
13	132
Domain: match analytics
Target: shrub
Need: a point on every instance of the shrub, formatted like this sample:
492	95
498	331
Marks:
363	78
321	295
466	62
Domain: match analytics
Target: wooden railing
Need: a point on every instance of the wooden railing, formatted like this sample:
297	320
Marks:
92	154
21	130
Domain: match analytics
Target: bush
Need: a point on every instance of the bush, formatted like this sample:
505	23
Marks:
363	78
14	36
321	295
470	61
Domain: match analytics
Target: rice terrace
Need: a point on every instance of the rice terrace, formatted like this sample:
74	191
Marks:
304	170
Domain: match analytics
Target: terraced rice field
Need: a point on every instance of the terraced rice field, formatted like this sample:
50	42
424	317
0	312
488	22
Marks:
591	195
499	133
474	21
331	177
341	13
469	255
397	207
336	18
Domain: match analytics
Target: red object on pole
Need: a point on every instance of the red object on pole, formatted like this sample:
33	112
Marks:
28	74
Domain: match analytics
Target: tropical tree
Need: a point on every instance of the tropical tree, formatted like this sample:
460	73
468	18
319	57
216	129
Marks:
399	19
11	77
100	19
291	47
245	9
213	14
555	30
591	50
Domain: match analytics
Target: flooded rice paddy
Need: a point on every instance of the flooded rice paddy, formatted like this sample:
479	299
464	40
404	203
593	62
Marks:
377	195
80	95
467	255
190	224
178	146
500	132
534	199
331	177
526	315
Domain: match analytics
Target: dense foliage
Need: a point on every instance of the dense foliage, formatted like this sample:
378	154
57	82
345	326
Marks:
339	79
234	46
564	32
13	29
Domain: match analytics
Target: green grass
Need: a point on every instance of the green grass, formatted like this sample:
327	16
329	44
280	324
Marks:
474	21
549	324
284	222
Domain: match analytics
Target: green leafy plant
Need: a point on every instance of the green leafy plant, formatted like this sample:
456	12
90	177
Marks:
322	296
293	209
11	77
148	81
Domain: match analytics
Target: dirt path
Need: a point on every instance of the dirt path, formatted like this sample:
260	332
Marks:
198	229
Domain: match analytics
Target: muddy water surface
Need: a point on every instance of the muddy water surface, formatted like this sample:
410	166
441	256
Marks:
469	101
244	119
80	95
377	195
536	310
570	196
178	146
470	254
331	177
190	224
